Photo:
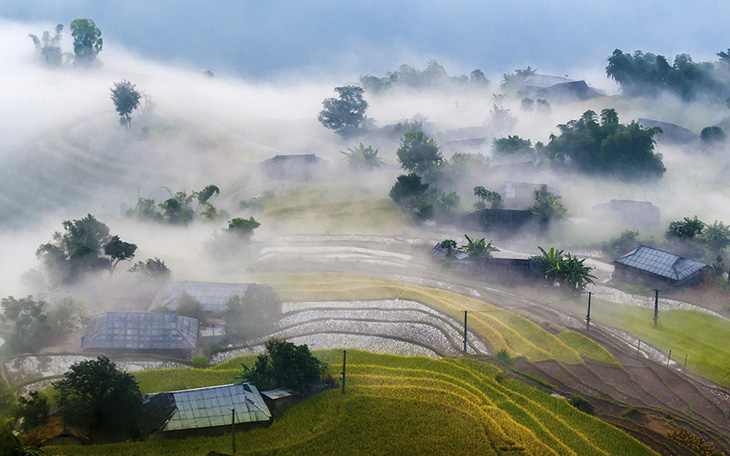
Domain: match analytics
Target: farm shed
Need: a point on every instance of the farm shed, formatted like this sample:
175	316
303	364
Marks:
204	410
55	431
138	332
212	296
627	213
292	167
280	399
657	269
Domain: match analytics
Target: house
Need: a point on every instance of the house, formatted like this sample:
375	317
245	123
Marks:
280	399
302	167
55	431
657	269
139	332
670	132
199	411
627	213
559	88
212	296
521	195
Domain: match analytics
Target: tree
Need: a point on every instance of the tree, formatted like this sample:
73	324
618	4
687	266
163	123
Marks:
712	135
285	365
153	268
716	236
243	228
49	49
362	158
512	145
687	229
487	196
418	153
126	100
406	188
448	202
96	393
119	250
567	271
189	306
81	249
32	410
87	41
252	314
478	248
30	323
450	246
346	114
547	206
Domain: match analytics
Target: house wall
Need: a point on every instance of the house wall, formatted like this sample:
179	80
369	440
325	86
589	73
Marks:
643	278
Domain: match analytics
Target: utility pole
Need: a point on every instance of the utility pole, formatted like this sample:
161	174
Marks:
465	315
233	429
669	357
656	306
588	315
344	362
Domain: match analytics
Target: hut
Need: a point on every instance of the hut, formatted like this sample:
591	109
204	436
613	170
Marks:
280	399
55	431
140	333
203	411
657	269
301	167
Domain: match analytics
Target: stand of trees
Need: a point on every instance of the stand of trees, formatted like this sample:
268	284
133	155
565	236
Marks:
433	75
35	323
179	210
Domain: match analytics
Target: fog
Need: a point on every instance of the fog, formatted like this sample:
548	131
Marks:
64	154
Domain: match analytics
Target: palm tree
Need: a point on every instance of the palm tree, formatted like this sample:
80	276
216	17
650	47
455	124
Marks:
362	157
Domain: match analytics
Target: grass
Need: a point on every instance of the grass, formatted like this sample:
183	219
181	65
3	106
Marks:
502	329
396	405
702	337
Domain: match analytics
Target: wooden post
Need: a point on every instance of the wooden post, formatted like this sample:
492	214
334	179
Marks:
233	429
638	349
465	315
344	362
684	371
669	358
588	315
656	306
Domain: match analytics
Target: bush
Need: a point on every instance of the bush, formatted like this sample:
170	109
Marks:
503	357
581	404
200	362
631	413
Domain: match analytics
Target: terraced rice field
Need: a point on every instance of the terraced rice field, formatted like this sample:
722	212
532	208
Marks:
396	405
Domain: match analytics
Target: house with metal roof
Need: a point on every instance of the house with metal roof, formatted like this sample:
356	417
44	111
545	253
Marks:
657	269
207	410
211	295
139	332
627	213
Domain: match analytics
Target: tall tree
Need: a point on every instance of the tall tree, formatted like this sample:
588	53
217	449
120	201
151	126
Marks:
126	100
345	114
418	153
87	41
119	250
49	49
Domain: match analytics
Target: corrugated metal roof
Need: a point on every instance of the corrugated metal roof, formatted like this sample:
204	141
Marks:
212	296
661	263
278	393
207	407
141	331
542	81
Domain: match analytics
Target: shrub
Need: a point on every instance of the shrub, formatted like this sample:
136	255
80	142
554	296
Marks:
581	404
200	361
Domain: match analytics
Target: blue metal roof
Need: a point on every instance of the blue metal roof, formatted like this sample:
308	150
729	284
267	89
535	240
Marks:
141	331
207	407
661	263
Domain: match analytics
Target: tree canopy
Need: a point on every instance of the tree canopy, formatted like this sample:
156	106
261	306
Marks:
418	153
242	228
512	145
179	209
608	148
153	268
409	76
48	48
87	41
126	100
85	246
96	393
345	114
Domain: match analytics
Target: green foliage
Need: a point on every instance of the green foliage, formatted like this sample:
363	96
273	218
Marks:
487	196
242	228
647	74
32	410
188	306
11	446
503	357
87	41
408	187
35	324
418	153
478	248
512	145
49	49
433	75
716	236
126	100
694	442
685	230
96	393
606	148
711	136
253	314
362	158
152	268
179	210
547	206
513	82
345	114
527	104
200	361
567	271
631	413
285	365
118	250
622	244
581	404
447	203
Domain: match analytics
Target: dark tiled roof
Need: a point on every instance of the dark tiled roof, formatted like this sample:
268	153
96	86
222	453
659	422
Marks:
208	407
141	331
661	263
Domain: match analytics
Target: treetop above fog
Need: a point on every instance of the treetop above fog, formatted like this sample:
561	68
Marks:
409	76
